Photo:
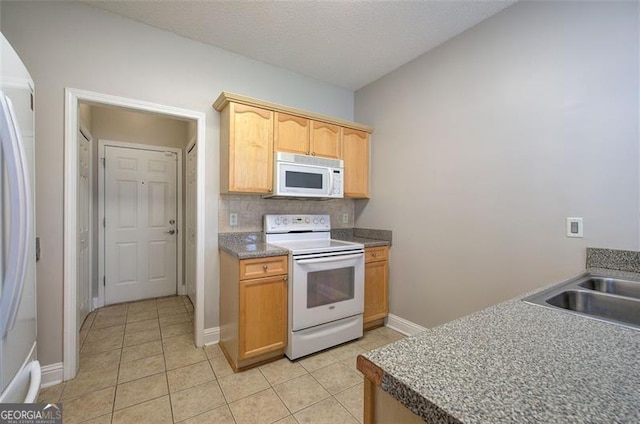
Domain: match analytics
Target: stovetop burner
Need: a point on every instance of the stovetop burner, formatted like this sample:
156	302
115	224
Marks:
302	234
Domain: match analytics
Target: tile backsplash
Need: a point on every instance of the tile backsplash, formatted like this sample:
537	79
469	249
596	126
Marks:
250	210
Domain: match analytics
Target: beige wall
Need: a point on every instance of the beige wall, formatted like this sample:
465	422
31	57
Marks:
85	115
69	44
250	210
486	144
119	124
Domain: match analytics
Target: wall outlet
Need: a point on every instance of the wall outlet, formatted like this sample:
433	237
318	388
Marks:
345	218
574	227
233	219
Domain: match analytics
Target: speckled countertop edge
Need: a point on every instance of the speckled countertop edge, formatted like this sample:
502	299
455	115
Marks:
516	362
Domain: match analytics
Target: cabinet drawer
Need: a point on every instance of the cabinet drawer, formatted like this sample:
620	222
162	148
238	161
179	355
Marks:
372	254
263	267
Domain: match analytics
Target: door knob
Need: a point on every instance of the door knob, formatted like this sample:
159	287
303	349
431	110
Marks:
171	232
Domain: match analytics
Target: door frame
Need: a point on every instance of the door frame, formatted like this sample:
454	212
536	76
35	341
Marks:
187	207
72	98
83	129
101	209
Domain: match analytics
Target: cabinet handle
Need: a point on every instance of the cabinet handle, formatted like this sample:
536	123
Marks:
265	267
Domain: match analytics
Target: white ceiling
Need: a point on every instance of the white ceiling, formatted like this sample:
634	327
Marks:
349	43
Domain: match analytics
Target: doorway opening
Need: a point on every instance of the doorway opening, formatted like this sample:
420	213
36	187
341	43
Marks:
149	141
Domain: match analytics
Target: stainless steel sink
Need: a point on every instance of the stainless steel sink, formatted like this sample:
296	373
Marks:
626	288
597	297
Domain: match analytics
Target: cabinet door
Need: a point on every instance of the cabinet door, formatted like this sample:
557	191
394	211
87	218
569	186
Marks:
325	140
376	294
291	134
263	316
355	153
250	149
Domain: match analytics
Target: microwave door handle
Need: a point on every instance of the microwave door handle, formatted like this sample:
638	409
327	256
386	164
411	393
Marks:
328	259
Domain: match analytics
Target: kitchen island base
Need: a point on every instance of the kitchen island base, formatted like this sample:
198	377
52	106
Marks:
381	408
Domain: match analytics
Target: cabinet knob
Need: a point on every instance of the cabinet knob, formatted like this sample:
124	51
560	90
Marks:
265	267
313	153
308	153
285	278
374	254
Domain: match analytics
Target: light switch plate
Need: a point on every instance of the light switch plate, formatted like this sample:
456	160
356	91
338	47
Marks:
574	227
233	219
345	218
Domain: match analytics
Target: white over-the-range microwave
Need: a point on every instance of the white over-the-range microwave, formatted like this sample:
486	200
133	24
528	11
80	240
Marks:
307	176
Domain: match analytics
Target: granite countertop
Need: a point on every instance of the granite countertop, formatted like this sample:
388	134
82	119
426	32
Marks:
516	363
251	244
252	250
368	242
248	245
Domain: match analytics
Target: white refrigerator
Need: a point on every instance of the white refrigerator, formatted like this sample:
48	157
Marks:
19	368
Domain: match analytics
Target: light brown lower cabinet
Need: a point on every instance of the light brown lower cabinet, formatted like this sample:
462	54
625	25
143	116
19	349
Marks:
253	309
376	285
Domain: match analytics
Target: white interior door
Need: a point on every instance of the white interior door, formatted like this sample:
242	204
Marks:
84	225
140	223
190	218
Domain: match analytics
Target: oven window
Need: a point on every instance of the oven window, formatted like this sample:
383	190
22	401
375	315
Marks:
330	286
303	179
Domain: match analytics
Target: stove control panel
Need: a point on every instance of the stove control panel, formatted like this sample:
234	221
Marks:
291	223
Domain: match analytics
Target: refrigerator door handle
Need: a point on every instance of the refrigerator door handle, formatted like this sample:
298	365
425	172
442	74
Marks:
35	371
20	215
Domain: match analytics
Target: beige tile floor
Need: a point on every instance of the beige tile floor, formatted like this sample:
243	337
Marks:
138	364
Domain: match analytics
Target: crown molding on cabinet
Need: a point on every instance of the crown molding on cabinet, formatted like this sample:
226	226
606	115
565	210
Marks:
226	97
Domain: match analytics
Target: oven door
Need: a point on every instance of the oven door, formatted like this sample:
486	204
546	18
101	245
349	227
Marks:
326	287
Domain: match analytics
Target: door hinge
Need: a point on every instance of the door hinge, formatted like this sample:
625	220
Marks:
104	222
103	160
104	281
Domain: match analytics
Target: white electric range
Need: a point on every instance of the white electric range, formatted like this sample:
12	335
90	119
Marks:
326	282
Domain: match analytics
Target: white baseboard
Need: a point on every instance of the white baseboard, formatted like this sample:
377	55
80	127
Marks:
52	374
403	326
211	335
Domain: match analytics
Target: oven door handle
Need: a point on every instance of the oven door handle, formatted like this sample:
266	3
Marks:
329	259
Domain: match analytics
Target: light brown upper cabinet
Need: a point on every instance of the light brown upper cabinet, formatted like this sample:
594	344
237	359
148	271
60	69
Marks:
252	130
355	153
325	140
303	136
291	134
246	149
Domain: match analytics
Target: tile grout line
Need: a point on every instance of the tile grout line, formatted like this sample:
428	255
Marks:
336	360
